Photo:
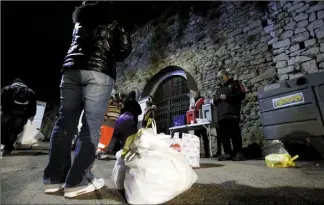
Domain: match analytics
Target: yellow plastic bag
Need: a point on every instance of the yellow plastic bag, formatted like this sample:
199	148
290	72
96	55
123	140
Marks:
280	160
131	139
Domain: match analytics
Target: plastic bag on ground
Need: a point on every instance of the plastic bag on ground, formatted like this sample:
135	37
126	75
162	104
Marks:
188	145
155	173
30	135
274	147
118	173
280	160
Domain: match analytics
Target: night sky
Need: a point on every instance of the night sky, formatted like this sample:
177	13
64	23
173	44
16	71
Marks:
35	37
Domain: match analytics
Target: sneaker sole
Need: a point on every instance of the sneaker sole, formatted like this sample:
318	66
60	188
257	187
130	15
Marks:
53	190
88	189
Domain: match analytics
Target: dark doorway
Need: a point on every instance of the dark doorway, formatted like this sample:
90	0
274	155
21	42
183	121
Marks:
171	99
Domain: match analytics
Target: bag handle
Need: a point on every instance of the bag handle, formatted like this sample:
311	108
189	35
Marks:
152	121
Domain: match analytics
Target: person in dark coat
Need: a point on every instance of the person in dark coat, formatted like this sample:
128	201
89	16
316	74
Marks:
228	101
88	77
18	104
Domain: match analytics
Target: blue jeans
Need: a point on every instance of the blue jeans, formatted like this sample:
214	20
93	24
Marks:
80	89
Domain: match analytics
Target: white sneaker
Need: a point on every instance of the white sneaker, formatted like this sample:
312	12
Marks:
52	188
96	184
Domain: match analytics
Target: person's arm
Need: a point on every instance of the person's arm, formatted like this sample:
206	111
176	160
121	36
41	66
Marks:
5	95
216	98
123	123
238	93
32	105
124	44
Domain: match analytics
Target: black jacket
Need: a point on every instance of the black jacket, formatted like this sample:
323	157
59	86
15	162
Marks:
98	41
18	99
230	107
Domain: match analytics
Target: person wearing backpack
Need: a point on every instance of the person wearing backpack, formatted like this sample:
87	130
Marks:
18	104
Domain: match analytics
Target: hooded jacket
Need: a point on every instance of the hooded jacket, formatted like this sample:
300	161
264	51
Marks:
230	107
98	41
18	99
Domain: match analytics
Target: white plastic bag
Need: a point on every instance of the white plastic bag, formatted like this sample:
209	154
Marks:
118	173
30	135
188	145
274	147
155	173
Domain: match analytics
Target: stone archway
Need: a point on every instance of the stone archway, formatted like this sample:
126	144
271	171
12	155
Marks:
169	90
168	71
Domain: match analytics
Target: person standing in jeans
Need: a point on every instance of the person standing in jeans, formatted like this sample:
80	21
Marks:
88	77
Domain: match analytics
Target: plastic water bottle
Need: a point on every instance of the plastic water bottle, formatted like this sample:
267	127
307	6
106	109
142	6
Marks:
192	103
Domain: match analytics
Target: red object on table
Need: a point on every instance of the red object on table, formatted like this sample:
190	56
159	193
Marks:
199	103
192	115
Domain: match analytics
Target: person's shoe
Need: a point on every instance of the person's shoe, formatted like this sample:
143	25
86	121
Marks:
52	188
207	155
239	157
225	157
218	154
6	152
102	156
96	184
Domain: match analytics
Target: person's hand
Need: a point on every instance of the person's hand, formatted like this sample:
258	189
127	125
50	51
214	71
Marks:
223	96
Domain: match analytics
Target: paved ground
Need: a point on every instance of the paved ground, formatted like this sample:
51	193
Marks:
249	182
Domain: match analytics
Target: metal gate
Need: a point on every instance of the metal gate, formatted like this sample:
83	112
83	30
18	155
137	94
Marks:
171	99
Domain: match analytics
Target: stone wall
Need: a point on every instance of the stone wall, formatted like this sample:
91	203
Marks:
259	44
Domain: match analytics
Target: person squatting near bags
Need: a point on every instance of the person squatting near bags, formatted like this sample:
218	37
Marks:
228	102
126	123
18	104
149	113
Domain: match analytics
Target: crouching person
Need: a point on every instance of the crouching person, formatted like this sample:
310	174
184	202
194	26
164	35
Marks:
18	104
126	124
